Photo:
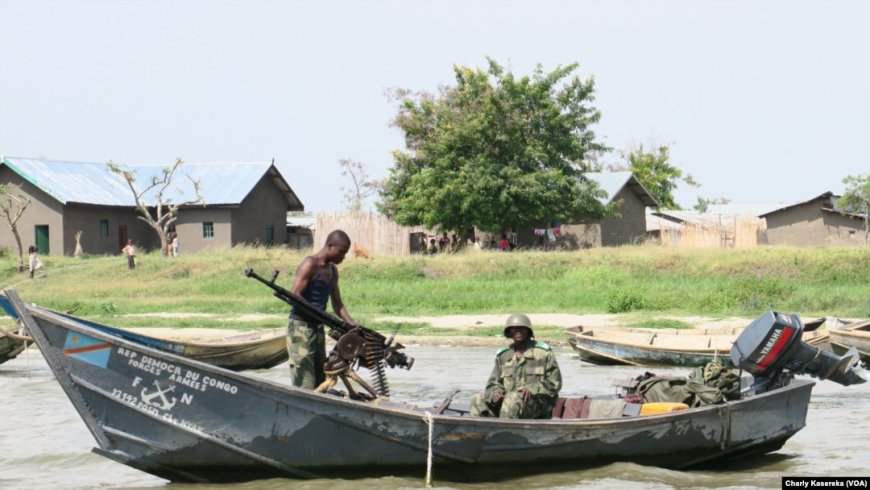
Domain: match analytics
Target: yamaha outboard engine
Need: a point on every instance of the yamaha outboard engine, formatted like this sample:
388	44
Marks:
772	351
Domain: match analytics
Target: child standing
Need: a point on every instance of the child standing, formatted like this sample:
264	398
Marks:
34	263
130	250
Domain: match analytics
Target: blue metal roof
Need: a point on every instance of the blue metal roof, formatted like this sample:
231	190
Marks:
93	183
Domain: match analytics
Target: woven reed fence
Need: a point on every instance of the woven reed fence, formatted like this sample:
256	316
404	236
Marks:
375	232
730	232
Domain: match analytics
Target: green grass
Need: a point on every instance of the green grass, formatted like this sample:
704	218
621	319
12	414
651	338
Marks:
647	281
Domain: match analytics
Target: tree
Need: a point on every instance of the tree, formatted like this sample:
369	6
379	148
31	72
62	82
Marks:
856	199
704	204
494	151
165	211
362	186
654	170
13	202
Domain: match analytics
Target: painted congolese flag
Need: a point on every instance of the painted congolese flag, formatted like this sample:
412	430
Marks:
87	349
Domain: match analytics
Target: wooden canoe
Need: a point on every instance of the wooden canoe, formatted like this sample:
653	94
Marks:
661	347
856	335
184	420
11	344
254	350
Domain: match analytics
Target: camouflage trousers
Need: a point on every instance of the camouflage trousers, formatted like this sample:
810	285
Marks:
306	346
512	407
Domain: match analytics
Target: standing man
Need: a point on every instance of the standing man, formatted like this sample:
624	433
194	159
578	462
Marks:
525	381
316	280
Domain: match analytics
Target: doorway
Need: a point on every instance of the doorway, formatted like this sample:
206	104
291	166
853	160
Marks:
41	232
122	236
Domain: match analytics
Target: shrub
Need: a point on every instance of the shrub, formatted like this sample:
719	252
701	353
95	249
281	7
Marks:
624	302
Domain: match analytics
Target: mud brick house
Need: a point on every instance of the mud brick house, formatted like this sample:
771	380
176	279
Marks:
817	222
626	228
243	203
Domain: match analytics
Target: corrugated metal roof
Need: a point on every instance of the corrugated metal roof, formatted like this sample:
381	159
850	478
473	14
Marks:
746	210
93	183
301	221
706	220
613	182
826	195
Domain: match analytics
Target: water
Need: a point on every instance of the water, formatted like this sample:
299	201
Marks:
44	443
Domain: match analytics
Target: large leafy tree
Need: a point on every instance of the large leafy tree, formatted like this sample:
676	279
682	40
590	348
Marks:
856	199
494	151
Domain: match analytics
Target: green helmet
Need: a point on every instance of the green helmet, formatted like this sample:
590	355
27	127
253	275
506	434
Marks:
518	320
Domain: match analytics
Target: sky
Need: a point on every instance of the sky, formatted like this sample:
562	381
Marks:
760	101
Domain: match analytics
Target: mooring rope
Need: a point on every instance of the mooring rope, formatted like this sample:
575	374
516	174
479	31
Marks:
431	423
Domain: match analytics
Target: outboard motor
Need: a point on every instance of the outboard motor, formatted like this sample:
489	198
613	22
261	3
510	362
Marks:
771	349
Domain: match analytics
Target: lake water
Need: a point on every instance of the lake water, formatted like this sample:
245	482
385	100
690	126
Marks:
44	443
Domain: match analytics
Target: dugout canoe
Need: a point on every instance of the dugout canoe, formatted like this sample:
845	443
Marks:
11	344
254	350
856	335
184	420
662	347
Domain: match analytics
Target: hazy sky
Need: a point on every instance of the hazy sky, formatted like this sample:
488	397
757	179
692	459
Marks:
761	102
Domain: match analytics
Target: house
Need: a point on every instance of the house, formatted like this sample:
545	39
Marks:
300	230
243	203
815	223
626	228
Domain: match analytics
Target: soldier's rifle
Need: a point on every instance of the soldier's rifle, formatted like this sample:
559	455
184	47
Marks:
377	350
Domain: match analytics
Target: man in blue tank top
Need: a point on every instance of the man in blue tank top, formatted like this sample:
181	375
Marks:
316	280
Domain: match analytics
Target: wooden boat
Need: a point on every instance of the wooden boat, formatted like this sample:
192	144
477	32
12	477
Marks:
255	350
662	347
184	420
856	335
11	344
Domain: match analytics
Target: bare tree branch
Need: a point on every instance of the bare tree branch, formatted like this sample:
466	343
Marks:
13	202
165	210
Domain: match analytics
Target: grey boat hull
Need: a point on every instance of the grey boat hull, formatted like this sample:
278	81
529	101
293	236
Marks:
184	420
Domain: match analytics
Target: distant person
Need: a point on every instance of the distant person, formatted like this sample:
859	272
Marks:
316	280
476	244
130	252
171	247
433	249
34	263
443	242
503	244
525	381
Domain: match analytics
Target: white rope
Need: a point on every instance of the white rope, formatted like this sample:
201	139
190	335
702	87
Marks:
26	359
431	423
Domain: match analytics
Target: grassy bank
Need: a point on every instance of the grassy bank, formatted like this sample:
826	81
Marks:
648	281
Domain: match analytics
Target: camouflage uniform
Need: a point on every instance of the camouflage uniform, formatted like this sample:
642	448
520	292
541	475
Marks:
306	347
536	370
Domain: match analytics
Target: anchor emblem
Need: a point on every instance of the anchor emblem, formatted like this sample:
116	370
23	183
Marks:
160	392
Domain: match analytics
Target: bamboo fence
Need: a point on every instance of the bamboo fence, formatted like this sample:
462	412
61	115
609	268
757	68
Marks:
377	233
728	232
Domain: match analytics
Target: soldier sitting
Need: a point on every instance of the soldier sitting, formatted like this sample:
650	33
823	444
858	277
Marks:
525	381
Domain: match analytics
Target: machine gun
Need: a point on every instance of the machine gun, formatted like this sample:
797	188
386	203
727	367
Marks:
374	351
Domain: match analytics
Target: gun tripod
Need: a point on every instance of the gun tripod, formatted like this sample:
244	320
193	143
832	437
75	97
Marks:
339	365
